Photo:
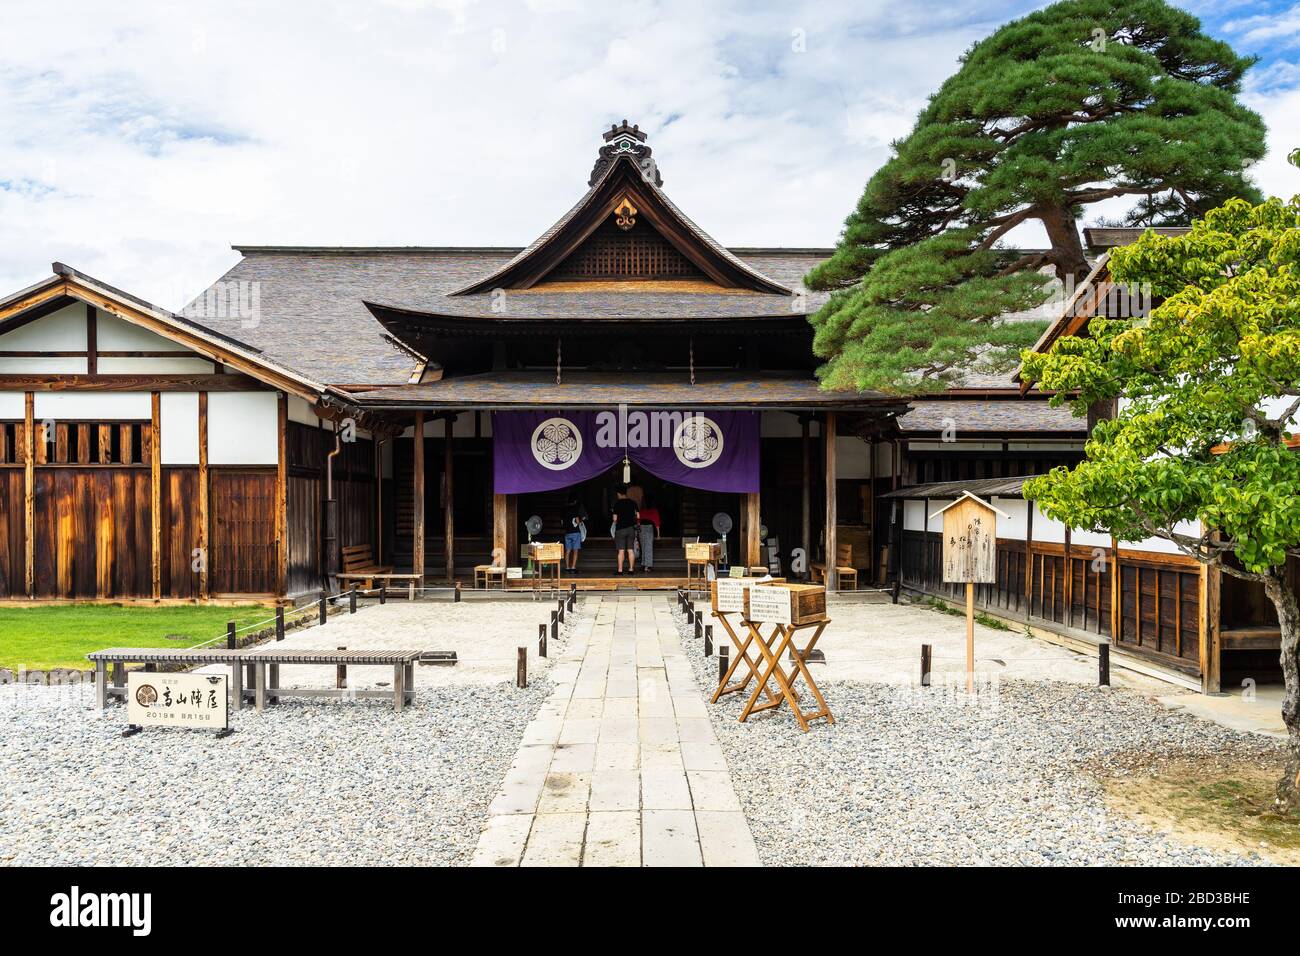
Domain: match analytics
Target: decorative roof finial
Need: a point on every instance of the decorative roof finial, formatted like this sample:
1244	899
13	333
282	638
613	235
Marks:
624	140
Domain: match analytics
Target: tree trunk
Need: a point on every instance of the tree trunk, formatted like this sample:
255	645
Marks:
1288	616
1067	248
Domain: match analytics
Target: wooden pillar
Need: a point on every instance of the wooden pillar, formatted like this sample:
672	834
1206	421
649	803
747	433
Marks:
204	521
753	525
29	491
448	512
500	533
155	495
1115	582
417	503
806	526
379	499
282	497
828	429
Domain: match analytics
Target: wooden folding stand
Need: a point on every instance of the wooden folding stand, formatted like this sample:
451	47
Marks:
772	657
742	656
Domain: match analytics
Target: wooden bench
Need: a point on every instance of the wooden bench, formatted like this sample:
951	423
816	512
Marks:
258	659
486	572
359	566
1251	637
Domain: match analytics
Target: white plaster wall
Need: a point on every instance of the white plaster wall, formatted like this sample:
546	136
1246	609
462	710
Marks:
1047	529
780	425
1044	445
852	458
300	412
181	365
114	334
955	445
93	406
242	428
1160	545
42	366
913	515
13	405
934	520
1089	539
178	419
61	331
1015	525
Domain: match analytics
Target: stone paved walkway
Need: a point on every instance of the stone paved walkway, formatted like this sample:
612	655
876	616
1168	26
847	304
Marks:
621	766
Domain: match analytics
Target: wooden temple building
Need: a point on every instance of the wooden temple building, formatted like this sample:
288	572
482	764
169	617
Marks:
420	405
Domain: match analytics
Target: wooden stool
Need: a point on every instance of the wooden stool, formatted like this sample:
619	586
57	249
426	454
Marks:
772	648
487	572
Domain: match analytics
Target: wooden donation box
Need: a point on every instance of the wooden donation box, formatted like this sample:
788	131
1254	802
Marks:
699	555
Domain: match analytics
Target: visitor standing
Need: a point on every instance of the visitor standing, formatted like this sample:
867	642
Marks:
624	528
575	529
649	516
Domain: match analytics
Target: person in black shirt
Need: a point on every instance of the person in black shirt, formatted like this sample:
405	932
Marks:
575	519
625	517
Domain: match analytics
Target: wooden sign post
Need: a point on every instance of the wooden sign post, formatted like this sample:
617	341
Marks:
970	547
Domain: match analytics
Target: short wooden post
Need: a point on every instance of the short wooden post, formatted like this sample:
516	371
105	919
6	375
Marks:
1103	665
341	674
352	599
458	592
699	624
555	626
279	623
231	640
541	640
926	657
561	611
573	596
324	611
383	594
521	670
898	585
722	663
708	640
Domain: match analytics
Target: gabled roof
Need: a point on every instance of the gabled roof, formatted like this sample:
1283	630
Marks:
67	285
623	177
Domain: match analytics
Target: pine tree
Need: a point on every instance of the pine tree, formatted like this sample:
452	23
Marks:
1081	102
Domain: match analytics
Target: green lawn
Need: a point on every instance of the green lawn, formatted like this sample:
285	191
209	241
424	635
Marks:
40	638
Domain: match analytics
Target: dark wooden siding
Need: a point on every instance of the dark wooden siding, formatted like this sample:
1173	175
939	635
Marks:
13	559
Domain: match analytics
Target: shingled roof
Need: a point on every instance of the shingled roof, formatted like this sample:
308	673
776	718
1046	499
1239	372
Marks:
1010	416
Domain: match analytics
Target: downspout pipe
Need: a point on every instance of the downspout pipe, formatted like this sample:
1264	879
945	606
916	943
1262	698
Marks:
330	514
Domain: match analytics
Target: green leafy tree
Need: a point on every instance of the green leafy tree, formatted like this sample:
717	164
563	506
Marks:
1078	103
1200	450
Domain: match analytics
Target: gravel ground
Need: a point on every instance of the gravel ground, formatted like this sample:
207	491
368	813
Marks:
306	782
907	777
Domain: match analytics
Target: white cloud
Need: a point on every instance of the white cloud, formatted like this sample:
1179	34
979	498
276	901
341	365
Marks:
137	141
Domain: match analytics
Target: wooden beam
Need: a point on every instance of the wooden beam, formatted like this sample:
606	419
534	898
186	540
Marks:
131	383
832	576
29	492
448	512
205	580
46	295
417	550
92	341
155	496
282	497
805	527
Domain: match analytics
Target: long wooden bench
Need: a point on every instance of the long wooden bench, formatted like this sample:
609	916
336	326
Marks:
359	566
265	683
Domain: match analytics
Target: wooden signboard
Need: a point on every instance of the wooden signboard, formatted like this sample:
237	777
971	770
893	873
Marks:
177	700
970	549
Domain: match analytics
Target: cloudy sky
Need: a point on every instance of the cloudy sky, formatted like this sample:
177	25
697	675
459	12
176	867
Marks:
139	141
